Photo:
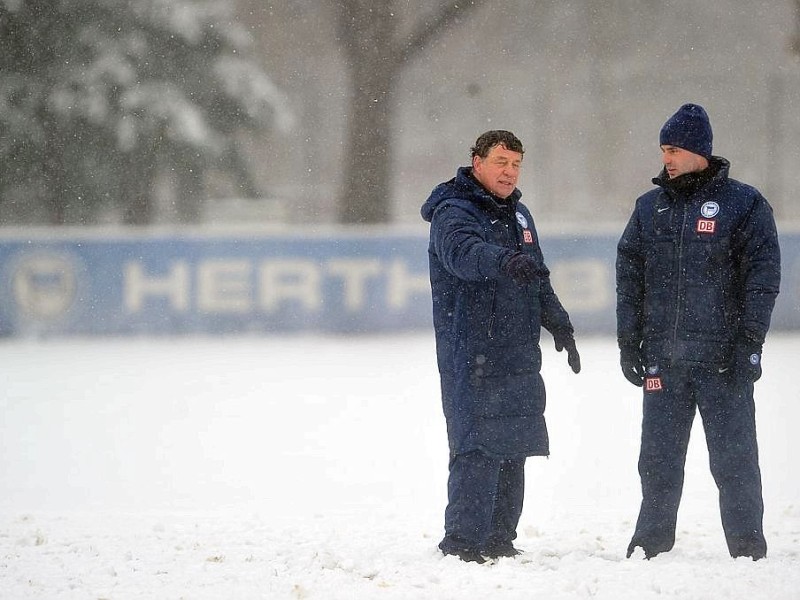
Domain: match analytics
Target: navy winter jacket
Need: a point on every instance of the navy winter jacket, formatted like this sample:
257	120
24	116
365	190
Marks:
487	326
697	272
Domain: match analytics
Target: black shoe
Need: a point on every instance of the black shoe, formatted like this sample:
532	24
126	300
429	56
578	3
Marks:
649	552
652	543
755	555
748	547
466	555
501	550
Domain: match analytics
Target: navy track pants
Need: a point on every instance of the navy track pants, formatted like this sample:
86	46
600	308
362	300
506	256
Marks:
485	498
727	410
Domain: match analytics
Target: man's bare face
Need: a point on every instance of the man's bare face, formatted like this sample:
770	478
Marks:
499	171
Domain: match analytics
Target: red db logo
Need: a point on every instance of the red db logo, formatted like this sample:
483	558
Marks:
706	225
652	384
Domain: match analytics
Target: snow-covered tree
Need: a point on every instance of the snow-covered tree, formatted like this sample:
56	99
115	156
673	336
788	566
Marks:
97	97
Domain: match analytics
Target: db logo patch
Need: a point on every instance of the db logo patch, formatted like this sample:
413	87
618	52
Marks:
527	236
652	384
706	225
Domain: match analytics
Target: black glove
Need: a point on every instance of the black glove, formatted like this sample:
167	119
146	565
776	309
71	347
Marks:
521	267
630	358
748	361
565	340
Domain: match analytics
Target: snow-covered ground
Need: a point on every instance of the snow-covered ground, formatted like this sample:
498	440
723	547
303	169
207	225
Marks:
315	467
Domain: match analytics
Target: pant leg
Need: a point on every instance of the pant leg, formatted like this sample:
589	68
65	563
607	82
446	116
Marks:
471	489
508	503
667	418
728	410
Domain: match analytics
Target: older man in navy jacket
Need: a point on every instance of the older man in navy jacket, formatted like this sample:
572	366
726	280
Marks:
698	271
491	296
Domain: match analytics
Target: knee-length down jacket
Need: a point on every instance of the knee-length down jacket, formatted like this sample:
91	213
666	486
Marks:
487	326
697	274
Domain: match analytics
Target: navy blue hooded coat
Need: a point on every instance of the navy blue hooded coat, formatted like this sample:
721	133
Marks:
697	275
487	326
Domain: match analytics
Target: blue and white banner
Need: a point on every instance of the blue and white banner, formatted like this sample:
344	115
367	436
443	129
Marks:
80	284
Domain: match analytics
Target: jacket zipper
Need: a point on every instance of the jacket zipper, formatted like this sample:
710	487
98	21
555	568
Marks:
511	232
491	311
680	283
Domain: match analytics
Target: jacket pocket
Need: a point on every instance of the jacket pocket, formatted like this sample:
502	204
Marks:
507	396
505	382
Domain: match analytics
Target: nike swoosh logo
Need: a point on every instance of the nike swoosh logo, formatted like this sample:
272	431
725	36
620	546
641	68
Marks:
723	369
663	209
495	221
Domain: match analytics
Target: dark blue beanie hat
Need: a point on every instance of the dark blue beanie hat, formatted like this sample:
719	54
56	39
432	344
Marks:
690	129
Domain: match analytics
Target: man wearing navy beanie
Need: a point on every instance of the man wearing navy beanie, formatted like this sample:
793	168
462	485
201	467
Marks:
698	271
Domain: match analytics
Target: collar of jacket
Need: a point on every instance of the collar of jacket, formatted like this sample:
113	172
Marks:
689	184
483	197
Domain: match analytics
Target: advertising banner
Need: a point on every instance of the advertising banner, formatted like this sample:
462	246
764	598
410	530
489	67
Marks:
216	284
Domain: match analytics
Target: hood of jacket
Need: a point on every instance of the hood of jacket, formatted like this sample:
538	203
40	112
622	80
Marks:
465	187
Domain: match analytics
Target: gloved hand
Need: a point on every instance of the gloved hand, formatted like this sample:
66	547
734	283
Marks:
748	361
632	362
565	340
521	267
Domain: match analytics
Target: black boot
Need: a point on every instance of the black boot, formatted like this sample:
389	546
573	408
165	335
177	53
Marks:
466	555
451	546
753	546
501	550
650	549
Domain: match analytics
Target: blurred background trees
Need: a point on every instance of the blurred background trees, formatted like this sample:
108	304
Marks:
197	111
375	55
585	85
102	99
